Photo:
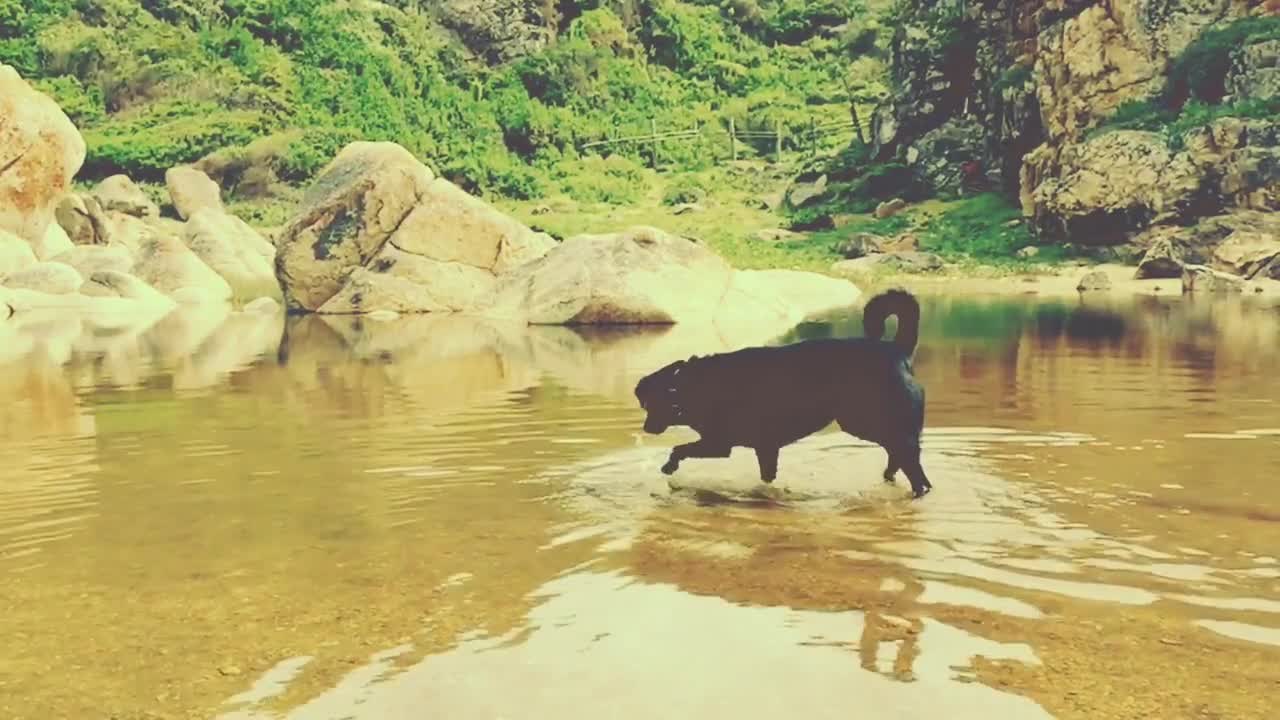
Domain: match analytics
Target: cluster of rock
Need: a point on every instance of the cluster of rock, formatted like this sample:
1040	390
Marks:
376	232
108	249
1017	92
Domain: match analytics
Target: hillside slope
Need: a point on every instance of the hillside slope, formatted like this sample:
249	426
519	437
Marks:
497	95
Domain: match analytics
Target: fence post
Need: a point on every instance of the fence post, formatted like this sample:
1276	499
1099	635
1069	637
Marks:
653	143
777	142
733	142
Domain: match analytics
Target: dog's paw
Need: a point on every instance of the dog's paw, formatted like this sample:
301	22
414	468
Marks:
670	467
918	493
890	479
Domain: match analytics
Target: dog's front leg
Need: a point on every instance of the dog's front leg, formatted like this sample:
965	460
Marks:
696	449
768	461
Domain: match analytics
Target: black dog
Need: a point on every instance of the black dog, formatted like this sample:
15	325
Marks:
765	398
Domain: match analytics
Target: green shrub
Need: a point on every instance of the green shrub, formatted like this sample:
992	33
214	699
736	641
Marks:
684	189
83	105
168	135
614	180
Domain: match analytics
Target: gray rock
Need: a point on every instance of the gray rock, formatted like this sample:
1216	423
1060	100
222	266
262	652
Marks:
1095	281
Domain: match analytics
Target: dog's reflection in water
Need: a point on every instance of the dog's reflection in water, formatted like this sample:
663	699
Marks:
766	398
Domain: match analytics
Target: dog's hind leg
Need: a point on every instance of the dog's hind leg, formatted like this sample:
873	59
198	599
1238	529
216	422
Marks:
891	468
767	457
697	449
910	460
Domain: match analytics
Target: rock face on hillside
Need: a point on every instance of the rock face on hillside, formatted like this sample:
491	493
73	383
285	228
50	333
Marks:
498	30
1020	91
40	152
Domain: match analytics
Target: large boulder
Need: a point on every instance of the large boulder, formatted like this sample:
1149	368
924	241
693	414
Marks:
15	254
120	194
235	251
1246	253
403	282
892	262
346	216
53	278
782	298
1201	278
190	190
1096	192
171	267
1163	260
639	276
40	152
378	232
54	243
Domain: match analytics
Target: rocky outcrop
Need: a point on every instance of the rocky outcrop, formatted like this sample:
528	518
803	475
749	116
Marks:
40	152
378	232
1101	190
190	191
498	30
1017	91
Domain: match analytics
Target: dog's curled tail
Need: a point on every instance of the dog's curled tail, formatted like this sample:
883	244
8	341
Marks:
894	302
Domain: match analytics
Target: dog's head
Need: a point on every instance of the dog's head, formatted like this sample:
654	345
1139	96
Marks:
659	395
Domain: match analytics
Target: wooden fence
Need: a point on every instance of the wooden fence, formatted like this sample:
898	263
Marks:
805	141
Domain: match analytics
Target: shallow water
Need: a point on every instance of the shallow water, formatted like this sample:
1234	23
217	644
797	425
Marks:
239	517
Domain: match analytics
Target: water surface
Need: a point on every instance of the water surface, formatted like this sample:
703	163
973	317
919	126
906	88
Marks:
243	516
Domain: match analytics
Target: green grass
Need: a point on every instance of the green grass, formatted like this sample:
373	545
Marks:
986	228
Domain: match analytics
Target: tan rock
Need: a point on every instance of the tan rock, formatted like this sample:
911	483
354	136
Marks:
234	250
54	243
782	297
118	193
356	203
15	254
1113	183
1163	260
449	225
520	249
84	220
639	276
191	190
403	282
53	278
171	267
889	208
40	153
88	259
1201	278
1246	253
1095	281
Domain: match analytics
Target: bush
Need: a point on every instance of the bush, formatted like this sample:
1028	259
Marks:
684	189
168	135
615	180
